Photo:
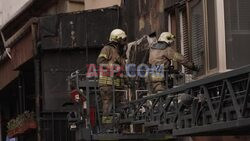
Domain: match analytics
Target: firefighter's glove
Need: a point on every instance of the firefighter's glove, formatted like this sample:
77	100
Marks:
196	68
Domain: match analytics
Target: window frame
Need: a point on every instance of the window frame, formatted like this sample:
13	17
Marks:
221	35
183	13
207	47
190	5
187	7
235	33
172	27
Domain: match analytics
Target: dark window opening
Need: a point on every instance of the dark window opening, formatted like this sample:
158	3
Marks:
237	24
212	46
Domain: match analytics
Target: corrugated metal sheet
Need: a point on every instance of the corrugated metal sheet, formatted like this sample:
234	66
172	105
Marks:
78	30
55	73
64	38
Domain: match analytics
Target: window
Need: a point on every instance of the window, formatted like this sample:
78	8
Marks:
197	35
203	35
237	24
182	37
193	22
172	27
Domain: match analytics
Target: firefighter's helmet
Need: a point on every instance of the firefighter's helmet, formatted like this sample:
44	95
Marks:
117	35
166	37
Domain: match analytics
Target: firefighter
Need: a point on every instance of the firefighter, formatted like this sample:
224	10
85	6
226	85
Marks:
112	55
161	54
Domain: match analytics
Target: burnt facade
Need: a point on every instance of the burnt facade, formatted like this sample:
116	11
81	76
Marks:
46	50
44	54
68	42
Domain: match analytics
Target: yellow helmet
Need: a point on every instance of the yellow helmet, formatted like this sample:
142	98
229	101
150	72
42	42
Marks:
166	37
117	35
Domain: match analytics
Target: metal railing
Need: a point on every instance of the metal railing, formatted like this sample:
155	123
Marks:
218	103
215	104
54	127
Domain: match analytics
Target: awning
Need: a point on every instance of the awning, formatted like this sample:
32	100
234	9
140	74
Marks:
21	52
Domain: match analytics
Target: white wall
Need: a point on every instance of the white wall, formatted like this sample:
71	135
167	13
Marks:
1	13
9	8
94	4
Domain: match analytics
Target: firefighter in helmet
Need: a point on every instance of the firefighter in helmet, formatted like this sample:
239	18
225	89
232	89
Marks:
112	56
161	54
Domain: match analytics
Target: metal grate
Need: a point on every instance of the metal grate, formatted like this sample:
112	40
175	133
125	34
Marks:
54	127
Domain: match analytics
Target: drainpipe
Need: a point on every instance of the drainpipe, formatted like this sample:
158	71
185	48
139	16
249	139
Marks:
37	93
37	69
0	124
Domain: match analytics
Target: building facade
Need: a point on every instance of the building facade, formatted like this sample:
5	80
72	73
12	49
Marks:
10	8
212	33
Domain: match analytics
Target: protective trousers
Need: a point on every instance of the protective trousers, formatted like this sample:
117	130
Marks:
107	99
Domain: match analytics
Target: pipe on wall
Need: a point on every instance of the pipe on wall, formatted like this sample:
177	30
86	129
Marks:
37	69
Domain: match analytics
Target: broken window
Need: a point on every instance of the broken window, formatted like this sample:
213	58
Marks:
237	24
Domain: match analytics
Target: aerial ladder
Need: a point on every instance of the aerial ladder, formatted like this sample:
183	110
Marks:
216	105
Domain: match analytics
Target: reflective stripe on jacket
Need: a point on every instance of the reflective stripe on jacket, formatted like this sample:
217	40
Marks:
156	78
105	80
